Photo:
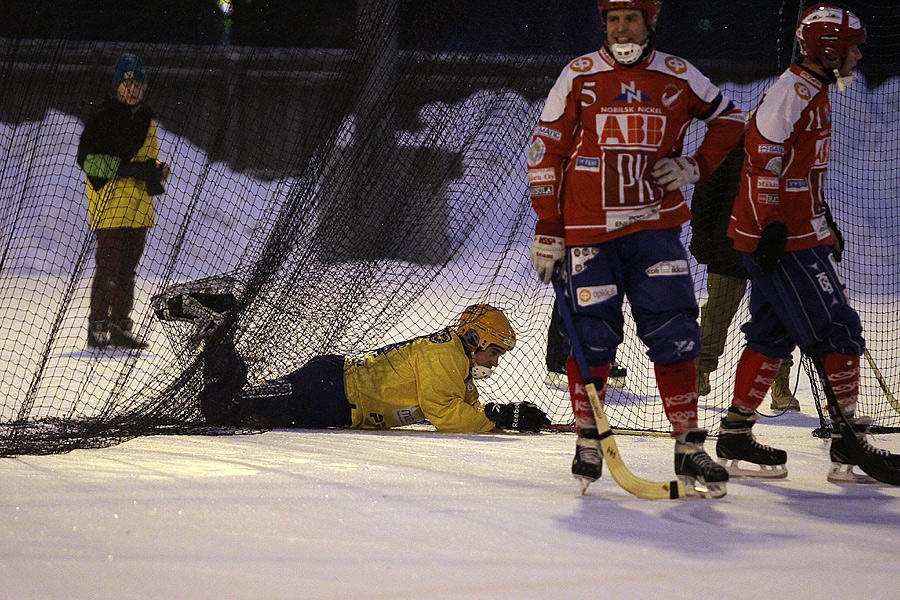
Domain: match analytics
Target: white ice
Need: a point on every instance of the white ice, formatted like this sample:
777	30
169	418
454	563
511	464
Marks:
419	514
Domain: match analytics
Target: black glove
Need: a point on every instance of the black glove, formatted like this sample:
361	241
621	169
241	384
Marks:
771	247
837	250
147	170
521	416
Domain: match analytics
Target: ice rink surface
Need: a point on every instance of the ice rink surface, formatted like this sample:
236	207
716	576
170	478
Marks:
419	514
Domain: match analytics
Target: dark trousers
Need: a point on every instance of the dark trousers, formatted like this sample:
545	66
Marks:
112	291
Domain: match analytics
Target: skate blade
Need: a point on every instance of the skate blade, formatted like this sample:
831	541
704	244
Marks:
734	468
584	482
698	487
844	474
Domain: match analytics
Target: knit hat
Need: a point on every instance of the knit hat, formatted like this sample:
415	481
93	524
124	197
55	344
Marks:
129	67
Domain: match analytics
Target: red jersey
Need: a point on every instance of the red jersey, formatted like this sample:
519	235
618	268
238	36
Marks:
603	127
786	156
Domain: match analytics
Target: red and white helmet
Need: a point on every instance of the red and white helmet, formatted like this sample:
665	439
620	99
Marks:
650	8
826	32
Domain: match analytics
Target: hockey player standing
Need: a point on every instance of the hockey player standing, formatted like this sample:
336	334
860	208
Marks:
779	223
605	170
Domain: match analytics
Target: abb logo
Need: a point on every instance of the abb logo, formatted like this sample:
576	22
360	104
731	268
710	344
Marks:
639	130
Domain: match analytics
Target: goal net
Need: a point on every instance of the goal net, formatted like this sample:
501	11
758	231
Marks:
364	188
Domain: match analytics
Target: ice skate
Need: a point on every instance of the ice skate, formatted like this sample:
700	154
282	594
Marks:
120	336
842	465
741	454
97	335
587	466
694	467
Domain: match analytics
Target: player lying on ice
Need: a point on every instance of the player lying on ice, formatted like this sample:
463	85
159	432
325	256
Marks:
426	378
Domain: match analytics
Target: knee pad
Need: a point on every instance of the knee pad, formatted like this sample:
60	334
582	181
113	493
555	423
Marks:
674	340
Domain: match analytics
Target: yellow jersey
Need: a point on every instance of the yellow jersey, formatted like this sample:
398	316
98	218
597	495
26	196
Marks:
423	378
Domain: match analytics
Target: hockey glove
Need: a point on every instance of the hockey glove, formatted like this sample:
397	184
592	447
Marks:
837	249
674	173
521	416
771	247
546	251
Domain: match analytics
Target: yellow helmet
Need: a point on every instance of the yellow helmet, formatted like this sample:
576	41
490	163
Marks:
481	325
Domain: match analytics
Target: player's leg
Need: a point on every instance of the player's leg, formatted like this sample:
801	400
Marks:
309	397
592	280
660	287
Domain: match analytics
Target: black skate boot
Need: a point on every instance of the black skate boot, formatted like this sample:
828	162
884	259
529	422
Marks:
587	466
699	473
120	336
737	443
842	463
98	335
224	375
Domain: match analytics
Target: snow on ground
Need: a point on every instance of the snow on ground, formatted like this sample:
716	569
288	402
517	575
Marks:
419	514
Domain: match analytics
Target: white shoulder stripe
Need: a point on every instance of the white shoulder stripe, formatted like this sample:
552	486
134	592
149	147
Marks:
782	106
555	105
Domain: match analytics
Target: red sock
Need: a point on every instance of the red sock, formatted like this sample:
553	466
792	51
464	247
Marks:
753	378
677	385
581	404
843	375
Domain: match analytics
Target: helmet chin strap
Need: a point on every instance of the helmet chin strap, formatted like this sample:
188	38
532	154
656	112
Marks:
843	81
479	372
627	54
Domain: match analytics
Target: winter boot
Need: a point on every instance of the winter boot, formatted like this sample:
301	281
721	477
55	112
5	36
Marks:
737	443
842	463
703	387
97	335
120	336
587	466
693	466
782	397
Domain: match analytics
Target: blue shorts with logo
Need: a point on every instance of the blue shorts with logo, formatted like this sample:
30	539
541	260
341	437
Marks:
801	303
651	270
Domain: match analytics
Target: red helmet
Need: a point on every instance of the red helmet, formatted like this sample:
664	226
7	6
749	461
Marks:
827	32
650	8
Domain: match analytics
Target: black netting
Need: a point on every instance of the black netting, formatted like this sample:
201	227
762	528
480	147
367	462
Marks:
357	170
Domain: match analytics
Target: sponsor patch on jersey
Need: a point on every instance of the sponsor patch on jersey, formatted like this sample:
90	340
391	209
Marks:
796	185
630	93
775	165
802	91
820	225
541	175
770	149
536	152
595	294
409	416
587	163
617	219
767	183
665	268
541	190
810	78
582	64
548	133
676	65
440	337
672	96
580	256
768	199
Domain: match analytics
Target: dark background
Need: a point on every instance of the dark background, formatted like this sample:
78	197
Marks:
696	29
